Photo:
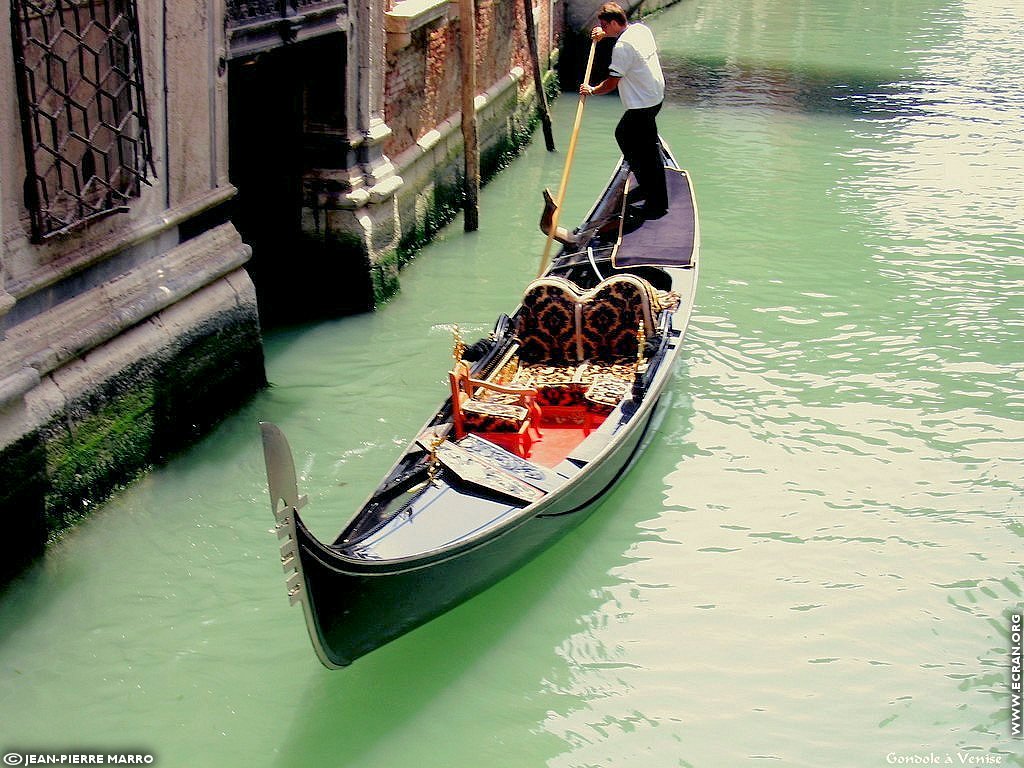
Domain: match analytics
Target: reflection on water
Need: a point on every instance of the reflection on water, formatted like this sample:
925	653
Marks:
813	562
843	519
722	84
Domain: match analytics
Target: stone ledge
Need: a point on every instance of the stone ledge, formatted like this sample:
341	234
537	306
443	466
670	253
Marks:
409	15
14	386
7	303
94	251
386	189
95	424
70	329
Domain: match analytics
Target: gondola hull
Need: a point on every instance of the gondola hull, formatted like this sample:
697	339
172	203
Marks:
357	607
399	563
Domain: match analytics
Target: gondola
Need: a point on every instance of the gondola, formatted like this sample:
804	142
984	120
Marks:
539	422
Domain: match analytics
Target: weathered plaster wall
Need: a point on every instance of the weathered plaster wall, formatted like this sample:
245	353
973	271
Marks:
125	339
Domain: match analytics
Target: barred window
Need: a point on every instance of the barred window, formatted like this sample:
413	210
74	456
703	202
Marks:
83	109
242	11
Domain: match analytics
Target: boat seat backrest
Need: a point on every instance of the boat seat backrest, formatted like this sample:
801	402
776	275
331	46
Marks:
559	323
611	318
547	321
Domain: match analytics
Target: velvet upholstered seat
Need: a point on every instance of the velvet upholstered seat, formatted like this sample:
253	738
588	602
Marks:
507	414
577	355
569	337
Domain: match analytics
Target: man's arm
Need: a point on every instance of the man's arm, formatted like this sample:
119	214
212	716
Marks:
607	85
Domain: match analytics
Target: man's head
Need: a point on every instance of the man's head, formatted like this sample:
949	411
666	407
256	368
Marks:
612	19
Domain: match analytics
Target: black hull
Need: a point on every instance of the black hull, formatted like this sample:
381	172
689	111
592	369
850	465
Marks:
355	607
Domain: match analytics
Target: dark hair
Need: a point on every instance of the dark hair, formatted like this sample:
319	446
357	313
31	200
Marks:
612	12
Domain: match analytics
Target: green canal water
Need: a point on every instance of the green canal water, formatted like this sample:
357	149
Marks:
815	561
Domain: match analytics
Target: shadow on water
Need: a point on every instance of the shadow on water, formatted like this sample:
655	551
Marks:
20	597
346	714
721	83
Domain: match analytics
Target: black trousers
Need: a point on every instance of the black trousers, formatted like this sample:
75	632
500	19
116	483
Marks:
637	136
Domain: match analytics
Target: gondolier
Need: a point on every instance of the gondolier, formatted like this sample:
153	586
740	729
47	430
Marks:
636	71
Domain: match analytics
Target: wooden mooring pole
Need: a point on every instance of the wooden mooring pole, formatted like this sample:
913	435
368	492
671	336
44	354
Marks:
538	76
471	184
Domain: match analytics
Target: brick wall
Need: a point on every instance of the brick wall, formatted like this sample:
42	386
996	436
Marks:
424	79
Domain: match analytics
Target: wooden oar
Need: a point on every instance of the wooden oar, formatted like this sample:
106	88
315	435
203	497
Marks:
546	258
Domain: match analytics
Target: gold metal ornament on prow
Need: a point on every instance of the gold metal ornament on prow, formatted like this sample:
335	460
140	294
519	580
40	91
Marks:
435	443
459	347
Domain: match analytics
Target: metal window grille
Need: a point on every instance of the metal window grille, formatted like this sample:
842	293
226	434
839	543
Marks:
83	109
243	11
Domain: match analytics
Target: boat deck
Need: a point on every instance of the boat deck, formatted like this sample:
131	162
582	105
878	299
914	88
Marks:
556	444
440	516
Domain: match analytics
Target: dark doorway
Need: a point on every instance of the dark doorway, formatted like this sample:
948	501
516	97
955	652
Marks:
265	164
287	121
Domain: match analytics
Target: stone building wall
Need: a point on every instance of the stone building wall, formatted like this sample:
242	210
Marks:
125	337
423	84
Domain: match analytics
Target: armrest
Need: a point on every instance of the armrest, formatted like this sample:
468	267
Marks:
502	388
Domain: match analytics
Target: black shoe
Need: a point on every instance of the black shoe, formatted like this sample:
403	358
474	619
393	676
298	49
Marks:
635	195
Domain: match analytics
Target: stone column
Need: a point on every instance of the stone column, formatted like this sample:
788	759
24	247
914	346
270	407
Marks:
350	211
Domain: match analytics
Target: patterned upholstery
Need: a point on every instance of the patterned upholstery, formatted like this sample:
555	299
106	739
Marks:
579	348
555	384
621	368
669	300
560	324
607	391
569	336
483	416
611	317
547	322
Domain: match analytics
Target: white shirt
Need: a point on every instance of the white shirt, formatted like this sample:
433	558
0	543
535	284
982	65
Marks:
635	61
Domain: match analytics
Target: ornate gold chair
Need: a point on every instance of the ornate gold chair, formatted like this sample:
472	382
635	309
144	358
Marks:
504	414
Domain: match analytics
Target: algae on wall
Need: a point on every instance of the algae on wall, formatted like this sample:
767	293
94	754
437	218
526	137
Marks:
125	421
431	204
